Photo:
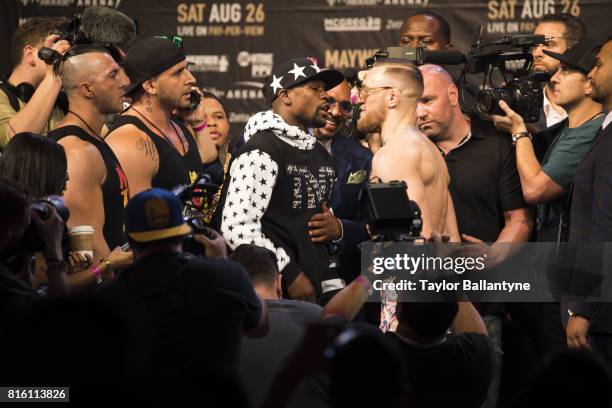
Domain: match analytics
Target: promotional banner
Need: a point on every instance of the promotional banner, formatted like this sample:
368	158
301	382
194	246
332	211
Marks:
233	45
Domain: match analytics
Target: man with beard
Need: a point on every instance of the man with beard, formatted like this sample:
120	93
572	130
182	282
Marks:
389	95
97	190
155	149
562	31
281	177
340	222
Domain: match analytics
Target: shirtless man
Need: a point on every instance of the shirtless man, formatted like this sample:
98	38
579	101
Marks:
154	149
389	95
97	190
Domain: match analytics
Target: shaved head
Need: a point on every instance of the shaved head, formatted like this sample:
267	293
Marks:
440	73
82	68
439	104
403	74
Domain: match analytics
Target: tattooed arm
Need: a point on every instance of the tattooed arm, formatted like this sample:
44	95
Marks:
137	155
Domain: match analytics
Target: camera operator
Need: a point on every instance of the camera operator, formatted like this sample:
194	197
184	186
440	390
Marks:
29	96
154	149
98	190
183	311
281	177
589	324
17	296
563	31
547	184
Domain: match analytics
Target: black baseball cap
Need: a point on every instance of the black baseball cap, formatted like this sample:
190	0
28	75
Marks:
149	57
581	56
297	71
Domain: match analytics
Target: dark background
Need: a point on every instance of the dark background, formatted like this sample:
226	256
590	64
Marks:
234	44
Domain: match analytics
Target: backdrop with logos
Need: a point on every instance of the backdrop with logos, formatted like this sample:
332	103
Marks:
234	45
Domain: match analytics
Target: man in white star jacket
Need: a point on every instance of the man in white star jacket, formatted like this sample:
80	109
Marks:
281	177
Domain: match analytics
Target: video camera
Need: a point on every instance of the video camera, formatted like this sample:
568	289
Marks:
510	56
390	213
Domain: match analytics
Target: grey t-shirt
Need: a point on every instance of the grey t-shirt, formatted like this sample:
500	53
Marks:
560	162
262	358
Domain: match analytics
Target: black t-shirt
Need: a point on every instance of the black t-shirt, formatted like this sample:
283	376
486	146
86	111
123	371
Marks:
262	358
115	190
182	313
484	182
455	373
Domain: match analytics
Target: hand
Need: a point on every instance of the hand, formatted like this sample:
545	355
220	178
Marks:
301	289
60	46
476	248
577	331
324	227
78	261
50	232
511	123
215	247
120	260
440	244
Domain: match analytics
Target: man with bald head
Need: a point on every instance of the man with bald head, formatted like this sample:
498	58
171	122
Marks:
97	190
426	29
389	95
485	185
343	226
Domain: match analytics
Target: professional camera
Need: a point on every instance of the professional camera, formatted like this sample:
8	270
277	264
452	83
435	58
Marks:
30	241
510	57
195	197
389	212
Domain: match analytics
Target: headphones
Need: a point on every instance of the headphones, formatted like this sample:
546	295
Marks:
24	91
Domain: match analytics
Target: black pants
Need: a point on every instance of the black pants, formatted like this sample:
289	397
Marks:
541	324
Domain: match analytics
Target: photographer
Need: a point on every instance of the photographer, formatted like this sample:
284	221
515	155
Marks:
29	97
182	311
17	296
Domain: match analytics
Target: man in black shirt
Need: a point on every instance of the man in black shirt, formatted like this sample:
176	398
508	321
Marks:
97	190
154	149
281	177
444	370
180	311
484	182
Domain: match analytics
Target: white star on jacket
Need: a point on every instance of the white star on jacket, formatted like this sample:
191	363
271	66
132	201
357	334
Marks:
276	84
297	71
252	178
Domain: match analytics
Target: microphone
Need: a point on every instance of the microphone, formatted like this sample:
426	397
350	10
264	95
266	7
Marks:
444	57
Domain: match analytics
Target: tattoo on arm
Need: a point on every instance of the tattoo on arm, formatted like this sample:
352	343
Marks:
148	147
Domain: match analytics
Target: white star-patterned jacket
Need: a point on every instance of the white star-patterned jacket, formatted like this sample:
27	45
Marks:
279	179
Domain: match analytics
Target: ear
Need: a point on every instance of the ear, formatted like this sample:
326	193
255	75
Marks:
86	89
284	97
588	87
29	55
453	94
279	286
150	86
393	98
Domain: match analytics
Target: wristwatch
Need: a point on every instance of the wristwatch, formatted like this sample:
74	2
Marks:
517	136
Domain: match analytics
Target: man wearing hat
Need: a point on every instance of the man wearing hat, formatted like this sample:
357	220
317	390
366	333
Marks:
182	311
547	184
281	177
155	149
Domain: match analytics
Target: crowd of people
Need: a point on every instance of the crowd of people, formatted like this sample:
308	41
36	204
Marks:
228	270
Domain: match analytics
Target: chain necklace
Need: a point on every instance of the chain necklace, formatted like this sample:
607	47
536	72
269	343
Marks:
163	135
86	124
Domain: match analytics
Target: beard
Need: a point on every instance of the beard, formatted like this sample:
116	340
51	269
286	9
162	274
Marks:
366	124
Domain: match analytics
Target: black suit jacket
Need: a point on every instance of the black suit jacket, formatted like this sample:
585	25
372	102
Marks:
590	226
352	160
